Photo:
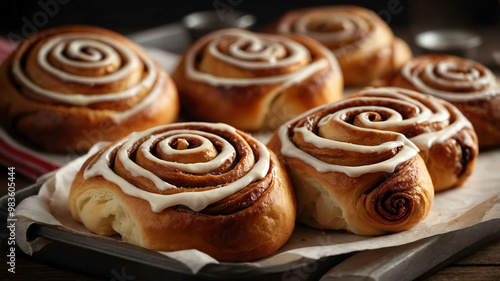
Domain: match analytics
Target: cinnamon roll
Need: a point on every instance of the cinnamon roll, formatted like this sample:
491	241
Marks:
470	86
252	81
199	186
362	42
368	163
67	88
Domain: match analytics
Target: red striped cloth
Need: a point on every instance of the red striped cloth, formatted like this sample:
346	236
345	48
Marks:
27	161
6	48
13	154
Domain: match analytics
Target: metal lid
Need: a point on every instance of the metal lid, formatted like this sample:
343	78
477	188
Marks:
447	40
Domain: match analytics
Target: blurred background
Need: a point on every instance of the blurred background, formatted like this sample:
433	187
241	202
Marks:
22	18
135	15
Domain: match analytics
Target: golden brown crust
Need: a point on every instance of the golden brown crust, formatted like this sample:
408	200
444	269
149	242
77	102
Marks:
452	162
257	105
373	202
57	125
452	159
370	163
367	52
249	224
483	111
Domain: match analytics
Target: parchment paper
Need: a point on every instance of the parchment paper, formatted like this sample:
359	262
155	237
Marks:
477	201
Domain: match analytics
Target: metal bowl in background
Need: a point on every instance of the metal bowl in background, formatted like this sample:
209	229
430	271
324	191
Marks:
457	42
202	23
496	57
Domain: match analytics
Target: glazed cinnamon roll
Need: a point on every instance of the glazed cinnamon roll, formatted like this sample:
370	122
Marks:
468	85
445	138
67	88
362	42
252	81
368	163
197	186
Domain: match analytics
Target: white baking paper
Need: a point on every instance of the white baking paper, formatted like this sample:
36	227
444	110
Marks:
477	201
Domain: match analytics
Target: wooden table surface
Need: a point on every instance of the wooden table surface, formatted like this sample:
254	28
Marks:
482	265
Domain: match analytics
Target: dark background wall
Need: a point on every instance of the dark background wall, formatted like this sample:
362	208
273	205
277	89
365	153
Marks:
127	16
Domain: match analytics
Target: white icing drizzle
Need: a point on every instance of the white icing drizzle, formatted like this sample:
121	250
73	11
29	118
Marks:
194	200
453	74
197	168
426	140
288	149
90	41
409	148
268	48
102	54
352	25
92	59
149	99
328	143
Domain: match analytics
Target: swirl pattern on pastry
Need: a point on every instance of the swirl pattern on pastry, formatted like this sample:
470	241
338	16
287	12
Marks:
192	184
217	179
365	159
68	70
446	139
359	38
261	72
342	31
467	84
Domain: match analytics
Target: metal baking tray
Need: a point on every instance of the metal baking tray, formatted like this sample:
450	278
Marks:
105	257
